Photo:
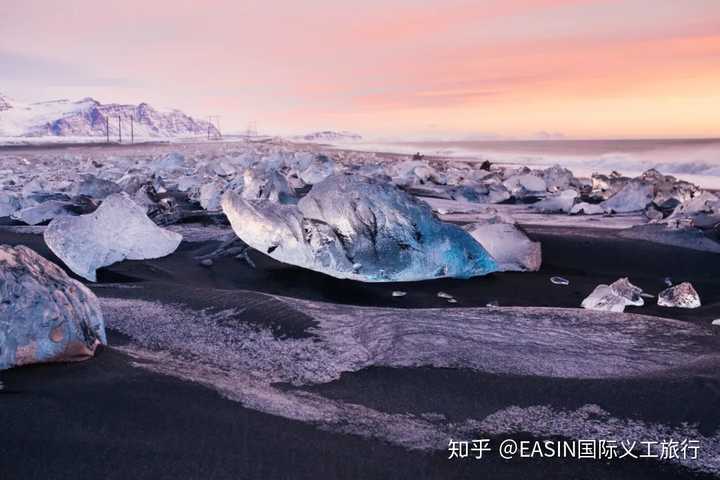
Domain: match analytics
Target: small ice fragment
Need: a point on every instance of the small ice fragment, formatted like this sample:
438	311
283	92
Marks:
444	295
716	323
398	293
206	262
680	296
560	281
508	245
356	267
492	304
452	300
614	297
647	295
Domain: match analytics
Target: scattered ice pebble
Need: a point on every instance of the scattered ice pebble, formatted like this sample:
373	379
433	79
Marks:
559	281
206	262
452	300
117	230
492	304
614	297
507	244
444	295
45	316
716	323
647	295
679	296
398	293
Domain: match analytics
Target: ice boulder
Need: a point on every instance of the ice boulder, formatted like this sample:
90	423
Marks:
605	186
170	162
481	193
507	244
95	187
562	202
358	228
702	211
45	316
634	197
43	212
8	204
259	184
586	209
680	296
558	178
119	229
188	182
614	297
320	168
525	183
211	194
131	181
35	185
668	188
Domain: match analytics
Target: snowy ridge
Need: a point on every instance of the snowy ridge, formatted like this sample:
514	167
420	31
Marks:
330	136
90	118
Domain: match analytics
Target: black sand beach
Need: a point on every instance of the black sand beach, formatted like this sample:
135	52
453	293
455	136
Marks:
108	419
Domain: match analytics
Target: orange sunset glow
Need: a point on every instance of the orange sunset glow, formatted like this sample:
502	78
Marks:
512	68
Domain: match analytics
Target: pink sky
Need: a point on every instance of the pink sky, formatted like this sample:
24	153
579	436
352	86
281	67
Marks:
383	68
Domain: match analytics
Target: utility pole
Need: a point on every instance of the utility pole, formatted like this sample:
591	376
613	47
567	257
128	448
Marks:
119	129
251	129
212	127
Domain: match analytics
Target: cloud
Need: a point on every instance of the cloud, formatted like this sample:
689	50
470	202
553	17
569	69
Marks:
30	70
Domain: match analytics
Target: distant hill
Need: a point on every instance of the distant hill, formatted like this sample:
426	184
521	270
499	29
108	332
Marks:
330	136
87	118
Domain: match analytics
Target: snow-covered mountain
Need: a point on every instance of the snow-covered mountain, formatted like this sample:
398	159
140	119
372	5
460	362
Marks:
330	136
90	118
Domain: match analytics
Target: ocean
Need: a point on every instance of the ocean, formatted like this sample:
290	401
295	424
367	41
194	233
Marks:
694	160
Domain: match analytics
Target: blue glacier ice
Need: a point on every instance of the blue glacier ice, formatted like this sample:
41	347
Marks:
358	228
